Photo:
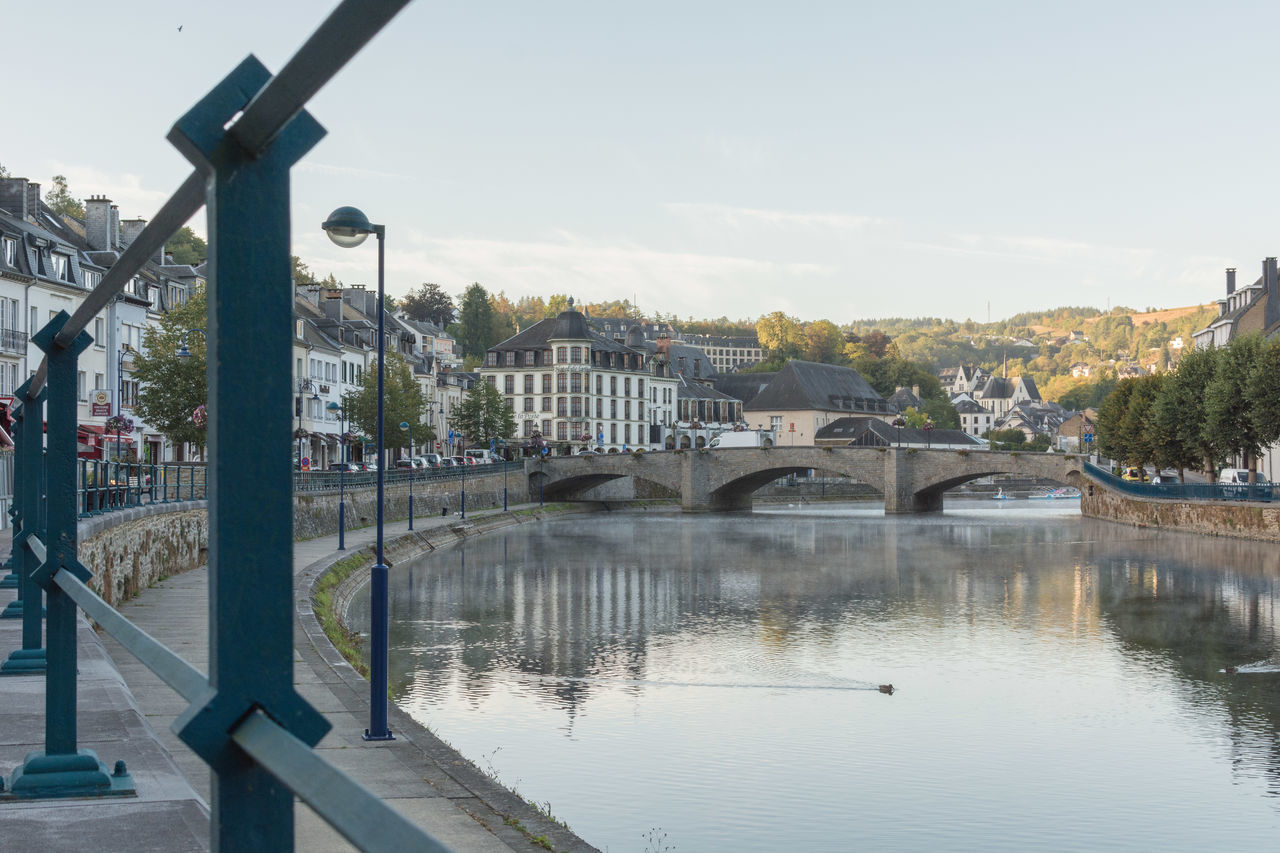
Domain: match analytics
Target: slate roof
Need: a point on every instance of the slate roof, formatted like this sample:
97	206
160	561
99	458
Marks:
802	385
1029	385
996	388
567	325
965	405
873	432
903	398
743	386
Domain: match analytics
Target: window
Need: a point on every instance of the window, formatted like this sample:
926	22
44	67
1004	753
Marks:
528	404
528	383
562	383
562	407
626	434
60	267
626	410
546	404
599	408
528	429
613	386
81	391
546	383
613	409
562	355
640	388
546	428
99	336
491	360
575	355
492	380
509	384
626	387
11	251
599	384
613	433
640	410
98	382
575	407
562	431
575	383
91	279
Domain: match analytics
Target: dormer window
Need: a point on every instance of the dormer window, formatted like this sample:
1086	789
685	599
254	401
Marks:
10	251
92	279
60	264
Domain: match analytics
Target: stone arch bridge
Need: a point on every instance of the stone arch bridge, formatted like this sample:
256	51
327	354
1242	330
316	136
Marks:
911	479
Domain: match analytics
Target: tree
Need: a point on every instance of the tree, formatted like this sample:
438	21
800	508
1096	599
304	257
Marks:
1135	427
1263	391
430	304
187	247
1179	424
402	402
823	342
171	387
483	415
476	323
302	275
780	335
1228	416
4	173
61	201
1110	437
1006	439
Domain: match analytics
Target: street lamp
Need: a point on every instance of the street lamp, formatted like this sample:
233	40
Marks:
928	431
440	433
463	456
409	427
124	350
183	352
348	227
503	442
342	474
899	422
304	385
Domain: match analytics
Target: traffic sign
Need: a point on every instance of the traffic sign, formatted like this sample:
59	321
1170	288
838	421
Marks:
1088	438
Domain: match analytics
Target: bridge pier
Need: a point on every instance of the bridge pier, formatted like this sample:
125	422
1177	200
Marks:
899	495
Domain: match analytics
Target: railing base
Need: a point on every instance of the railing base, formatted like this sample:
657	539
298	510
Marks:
47	777
24	662
9	581
13	610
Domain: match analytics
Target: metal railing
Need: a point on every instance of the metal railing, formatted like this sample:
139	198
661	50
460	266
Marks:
1185	491
245	718
328	481
109	486
11	340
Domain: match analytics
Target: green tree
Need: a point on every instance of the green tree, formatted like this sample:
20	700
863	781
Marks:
171	387
943	414
483	415
302	274
780	335
61	201
1179	423
476	323
187	247
1110	436
403	402
1006	439
1264	394
1228	418
1136	433
4	173
429	303
823	342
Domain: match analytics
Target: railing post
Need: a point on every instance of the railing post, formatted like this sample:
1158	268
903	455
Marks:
28	485
250	309
14	578
62	770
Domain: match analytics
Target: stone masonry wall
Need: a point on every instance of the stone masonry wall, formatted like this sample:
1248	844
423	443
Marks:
1237	519
128	551
316	513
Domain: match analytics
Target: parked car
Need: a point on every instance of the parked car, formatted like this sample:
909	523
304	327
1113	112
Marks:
479	456
1165	479
408	463
349	467
1134	474
447	462
1239	476
462	460
588	453
431	460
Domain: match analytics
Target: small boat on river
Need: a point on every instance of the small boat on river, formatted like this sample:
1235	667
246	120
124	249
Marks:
1000	496
1064	493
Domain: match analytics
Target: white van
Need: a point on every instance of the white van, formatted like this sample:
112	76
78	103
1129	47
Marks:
1239	476
481	456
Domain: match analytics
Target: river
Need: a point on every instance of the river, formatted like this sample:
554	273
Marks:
662	681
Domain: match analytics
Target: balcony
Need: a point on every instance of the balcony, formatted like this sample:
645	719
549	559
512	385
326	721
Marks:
12	341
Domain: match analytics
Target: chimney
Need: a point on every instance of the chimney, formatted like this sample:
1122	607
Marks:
33	201
13	196
113	232
915	390
132	228
1272	311
1231	280
97	219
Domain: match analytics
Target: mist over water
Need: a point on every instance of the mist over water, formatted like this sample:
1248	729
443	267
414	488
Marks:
1059	682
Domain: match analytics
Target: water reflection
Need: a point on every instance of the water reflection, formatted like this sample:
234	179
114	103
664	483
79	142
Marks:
1021	642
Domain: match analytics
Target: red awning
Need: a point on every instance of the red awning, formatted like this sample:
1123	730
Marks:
97	433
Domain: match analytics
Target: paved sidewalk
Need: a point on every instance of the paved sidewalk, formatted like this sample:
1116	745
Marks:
416	773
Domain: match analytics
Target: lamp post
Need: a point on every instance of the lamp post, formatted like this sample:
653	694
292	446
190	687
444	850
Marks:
342	474
124	350
304	385
406	425
503	442
928	432
348	227
440	432
463	456
185	352
899	422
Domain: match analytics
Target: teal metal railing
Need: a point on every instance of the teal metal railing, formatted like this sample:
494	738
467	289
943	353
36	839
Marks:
244	719
109	486
1185	491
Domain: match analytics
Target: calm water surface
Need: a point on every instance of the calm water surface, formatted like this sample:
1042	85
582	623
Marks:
1058	680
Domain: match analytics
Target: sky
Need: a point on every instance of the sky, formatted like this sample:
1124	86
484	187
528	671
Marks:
830	160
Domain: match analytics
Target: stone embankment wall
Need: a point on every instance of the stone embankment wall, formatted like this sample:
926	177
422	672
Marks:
1238	519
316	513
127	551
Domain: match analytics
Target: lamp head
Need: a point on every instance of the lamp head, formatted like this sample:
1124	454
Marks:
347	227
183	352
333	407
404	425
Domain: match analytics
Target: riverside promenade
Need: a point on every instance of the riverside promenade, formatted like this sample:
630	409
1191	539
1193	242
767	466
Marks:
125	713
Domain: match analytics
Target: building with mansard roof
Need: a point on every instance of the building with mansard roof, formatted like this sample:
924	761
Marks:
805	396
574	388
